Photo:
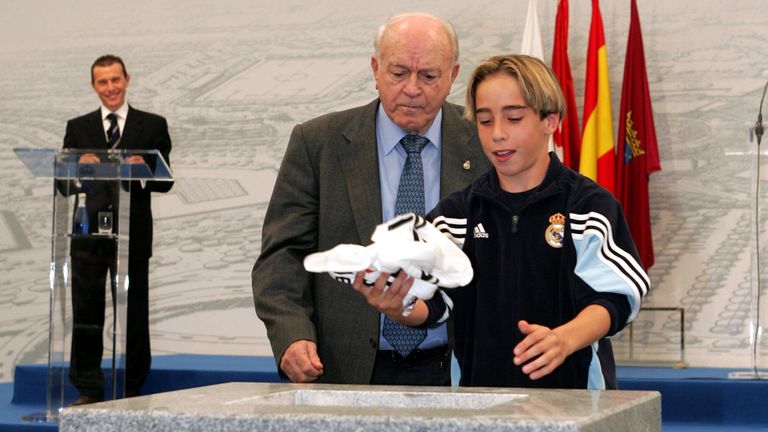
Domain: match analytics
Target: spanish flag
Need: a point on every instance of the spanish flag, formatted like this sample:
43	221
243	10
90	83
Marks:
638	153
597	150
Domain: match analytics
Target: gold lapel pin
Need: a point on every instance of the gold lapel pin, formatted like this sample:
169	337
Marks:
467	165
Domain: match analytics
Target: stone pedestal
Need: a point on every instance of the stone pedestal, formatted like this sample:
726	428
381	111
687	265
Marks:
339	408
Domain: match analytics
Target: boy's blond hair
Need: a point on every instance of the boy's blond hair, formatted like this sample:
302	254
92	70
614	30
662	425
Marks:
538	83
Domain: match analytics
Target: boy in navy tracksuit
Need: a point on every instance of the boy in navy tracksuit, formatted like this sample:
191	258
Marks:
555	267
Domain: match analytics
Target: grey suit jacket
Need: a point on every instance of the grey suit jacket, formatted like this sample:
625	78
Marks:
328	192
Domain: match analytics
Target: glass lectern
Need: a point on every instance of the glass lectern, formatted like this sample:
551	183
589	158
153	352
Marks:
69	178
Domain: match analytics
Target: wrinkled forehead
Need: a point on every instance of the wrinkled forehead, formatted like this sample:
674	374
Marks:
420	52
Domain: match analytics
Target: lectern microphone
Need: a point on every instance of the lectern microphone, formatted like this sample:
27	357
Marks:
759	124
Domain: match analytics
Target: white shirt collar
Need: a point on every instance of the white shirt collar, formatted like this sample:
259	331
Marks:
122	112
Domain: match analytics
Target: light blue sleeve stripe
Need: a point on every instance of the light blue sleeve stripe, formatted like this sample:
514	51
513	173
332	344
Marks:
594	223
595	379
600	274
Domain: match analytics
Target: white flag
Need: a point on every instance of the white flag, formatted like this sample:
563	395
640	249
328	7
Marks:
532	45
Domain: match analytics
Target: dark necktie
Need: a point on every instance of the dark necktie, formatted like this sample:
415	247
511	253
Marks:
113	133
410	199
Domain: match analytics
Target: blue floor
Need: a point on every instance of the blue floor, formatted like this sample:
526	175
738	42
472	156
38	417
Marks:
694	399
26	395
702	397
11	414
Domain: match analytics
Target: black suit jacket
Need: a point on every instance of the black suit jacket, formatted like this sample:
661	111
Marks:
142	131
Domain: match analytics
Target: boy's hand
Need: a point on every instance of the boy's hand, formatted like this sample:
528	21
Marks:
541	351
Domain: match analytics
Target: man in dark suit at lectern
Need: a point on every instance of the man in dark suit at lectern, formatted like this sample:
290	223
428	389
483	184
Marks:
119	126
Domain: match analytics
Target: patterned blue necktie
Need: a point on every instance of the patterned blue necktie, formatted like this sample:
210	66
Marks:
410	199
113	133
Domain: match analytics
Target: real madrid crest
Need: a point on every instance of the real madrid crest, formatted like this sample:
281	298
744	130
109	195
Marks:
555	230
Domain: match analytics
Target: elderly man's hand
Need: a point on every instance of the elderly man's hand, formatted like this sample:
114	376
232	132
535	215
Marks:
301	362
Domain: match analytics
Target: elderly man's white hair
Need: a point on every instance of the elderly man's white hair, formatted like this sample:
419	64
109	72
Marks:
394	19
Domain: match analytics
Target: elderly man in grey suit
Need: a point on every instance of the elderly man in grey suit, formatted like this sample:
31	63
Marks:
339	178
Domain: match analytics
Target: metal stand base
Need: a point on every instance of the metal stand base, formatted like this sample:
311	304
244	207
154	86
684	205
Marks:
748	375
38	417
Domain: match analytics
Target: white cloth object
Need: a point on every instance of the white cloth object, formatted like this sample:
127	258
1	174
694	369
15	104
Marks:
406	242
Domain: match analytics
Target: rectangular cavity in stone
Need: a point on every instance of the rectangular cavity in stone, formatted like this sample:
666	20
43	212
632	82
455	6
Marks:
381	399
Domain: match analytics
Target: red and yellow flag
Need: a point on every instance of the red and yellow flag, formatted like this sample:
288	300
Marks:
597	150
567	138
637	149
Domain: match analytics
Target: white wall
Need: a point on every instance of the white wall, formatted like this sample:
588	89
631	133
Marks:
234	76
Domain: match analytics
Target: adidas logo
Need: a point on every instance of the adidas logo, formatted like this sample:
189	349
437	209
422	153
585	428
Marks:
479	231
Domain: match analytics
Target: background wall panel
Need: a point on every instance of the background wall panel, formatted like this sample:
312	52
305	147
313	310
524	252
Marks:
234	76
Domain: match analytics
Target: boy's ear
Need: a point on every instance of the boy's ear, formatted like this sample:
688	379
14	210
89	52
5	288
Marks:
552	121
